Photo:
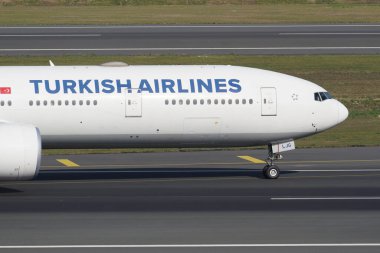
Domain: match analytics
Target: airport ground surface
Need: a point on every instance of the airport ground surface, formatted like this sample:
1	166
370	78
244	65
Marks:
190	39
326	200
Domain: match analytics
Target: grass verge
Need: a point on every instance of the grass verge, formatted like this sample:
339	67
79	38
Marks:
354	80
189	14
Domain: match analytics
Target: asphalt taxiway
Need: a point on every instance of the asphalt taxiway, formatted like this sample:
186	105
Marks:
191	39
326	200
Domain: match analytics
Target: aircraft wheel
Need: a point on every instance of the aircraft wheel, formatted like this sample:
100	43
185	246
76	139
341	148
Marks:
271	172
265	170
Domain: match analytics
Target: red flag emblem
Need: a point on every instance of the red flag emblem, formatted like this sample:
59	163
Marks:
5	90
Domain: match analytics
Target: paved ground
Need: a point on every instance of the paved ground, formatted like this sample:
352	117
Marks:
208	39
326	200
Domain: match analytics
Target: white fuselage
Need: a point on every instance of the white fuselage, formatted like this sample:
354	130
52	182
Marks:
163	106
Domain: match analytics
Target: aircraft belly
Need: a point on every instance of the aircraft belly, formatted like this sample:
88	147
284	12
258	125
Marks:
163	140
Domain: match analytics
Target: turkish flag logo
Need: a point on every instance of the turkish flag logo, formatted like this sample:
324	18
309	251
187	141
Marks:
5	90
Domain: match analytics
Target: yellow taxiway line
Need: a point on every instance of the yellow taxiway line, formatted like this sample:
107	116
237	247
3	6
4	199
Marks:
251	159
212	163
67	163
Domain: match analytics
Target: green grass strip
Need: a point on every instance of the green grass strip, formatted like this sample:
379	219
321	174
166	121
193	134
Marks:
190	14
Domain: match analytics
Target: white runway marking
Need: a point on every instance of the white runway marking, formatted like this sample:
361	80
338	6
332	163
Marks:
185	26
50	35
333	33
191	245
184	49
326	198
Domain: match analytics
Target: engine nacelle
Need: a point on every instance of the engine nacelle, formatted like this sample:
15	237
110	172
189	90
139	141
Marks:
20	151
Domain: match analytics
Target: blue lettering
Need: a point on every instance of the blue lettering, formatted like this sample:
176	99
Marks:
234	85
120	85
69	85
220	85
145	86
180	88
202	84
192	86
107	86
96	82
52	91
36	87
156	86
167	84
83	85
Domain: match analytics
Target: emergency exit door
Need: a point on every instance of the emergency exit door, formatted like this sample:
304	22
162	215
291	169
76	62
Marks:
268	101
133	103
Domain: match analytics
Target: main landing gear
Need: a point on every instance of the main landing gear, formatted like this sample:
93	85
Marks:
271	171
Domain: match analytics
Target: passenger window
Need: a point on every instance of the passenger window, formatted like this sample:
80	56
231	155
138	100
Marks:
173	102
59	102
88	102
229	101
9	103
223	101
243	101
73	102
180	102
45	102
237	101
209	101
31	102
187	101
66	102
37	102
201	101
194	102
95	102
80	102
250	101
216	101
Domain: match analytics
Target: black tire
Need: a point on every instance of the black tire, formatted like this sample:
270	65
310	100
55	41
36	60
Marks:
272	172
265	170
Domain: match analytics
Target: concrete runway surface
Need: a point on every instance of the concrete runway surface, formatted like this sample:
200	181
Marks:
189	39
326	200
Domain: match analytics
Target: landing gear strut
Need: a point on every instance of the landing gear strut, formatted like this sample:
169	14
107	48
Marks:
271	171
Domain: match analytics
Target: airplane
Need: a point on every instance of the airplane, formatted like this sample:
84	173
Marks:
116	105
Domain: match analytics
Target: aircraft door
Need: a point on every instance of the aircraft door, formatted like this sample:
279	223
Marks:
268	101
133	103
